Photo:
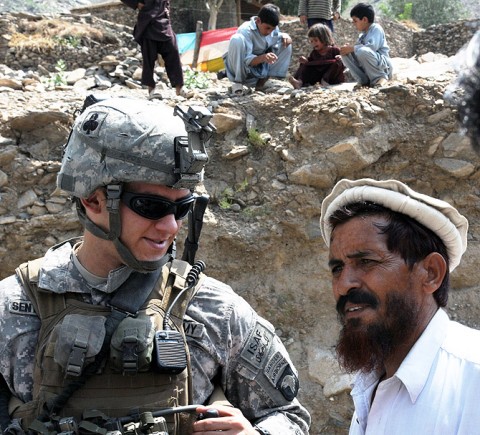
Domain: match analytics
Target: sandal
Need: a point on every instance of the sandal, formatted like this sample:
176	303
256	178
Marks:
237	89
155	94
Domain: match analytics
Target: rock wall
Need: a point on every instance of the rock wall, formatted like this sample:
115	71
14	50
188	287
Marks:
445	38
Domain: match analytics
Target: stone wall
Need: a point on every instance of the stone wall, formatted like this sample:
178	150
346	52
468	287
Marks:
445	38
117	40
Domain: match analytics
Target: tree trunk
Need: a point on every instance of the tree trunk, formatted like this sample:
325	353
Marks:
213	6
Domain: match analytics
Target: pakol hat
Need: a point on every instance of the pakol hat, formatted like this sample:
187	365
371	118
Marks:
436	215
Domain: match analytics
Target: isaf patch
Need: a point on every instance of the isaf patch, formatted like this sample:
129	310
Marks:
258	345
21	307
281	376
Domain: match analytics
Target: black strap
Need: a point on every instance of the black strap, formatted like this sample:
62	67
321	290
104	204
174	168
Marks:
127	301
195	222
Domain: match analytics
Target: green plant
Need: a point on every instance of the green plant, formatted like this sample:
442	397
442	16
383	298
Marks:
228	195
70	41
242	186
407	12
195	79
430	12
255	138
423	12
255	211
59	78
226	199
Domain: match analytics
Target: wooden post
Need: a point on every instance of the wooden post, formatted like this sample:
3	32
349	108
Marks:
198	39
239	12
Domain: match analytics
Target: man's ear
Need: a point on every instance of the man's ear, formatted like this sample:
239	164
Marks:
95	202
435	268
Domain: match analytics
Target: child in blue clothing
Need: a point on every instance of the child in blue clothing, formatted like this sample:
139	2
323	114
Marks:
368	60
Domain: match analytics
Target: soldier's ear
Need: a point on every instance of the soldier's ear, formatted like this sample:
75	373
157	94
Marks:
95	202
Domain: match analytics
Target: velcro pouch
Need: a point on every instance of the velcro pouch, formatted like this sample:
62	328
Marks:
132	345
79	339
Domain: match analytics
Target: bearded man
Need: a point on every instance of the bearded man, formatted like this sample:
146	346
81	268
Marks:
391	251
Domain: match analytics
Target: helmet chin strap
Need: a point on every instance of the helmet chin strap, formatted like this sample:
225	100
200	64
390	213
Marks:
115	224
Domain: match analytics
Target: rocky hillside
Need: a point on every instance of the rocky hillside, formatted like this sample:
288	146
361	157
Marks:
261	231
44	7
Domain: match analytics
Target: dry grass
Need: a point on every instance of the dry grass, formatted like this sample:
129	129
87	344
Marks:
45	35
35	43
412	25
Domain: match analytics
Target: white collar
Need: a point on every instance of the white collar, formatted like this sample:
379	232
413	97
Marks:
415	368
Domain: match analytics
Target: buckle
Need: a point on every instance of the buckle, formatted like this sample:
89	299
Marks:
114	192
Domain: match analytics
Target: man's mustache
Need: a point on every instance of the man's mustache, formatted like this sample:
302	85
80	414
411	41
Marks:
356	297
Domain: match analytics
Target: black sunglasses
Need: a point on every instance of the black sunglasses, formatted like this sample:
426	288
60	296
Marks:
155	207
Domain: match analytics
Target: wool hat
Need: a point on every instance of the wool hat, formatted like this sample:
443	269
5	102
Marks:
436	215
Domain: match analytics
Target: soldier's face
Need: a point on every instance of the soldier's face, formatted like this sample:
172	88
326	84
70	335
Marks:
149	239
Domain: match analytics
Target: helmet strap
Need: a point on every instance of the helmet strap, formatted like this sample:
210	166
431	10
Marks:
113	206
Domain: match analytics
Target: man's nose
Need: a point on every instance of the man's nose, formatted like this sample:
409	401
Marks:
346	281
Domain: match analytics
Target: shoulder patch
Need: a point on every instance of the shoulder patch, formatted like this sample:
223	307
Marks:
258	345
193	329
288	384
22	307
281	376
275	367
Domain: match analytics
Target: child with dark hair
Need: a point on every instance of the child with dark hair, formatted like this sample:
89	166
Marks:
258	51
269	14
323	65
369	59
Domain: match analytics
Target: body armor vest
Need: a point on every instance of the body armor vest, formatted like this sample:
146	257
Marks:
111	390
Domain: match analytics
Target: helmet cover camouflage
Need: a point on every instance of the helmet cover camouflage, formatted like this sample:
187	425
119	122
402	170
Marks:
120	140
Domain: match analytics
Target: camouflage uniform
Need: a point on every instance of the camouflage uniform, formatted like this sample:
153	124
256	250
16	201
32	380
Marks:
228	341
118	141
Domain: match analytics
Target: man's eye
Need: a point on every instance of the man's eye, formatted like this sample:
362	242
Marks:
336	270
367	261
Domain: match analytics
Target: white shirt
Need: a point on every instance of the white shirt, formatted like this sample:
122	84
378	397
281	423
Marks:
435	391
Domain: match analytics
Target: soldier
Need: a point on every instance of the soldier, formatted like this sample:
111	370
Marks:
92	335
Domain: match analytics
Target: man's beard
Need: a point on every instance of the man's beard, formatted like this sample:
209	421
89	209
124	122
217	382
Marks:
366	347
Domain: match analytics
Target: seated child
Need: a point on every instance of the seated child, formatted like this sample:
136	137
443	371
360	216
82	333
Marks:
258	50
368	60
323	64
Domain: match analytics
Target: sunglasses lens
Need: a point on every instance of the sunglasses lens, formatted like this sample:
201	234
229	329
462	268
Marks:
182	210
154	207
150	208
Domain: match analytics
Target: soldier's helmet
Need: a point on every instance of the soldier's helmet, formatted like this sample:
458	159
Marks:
121	140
